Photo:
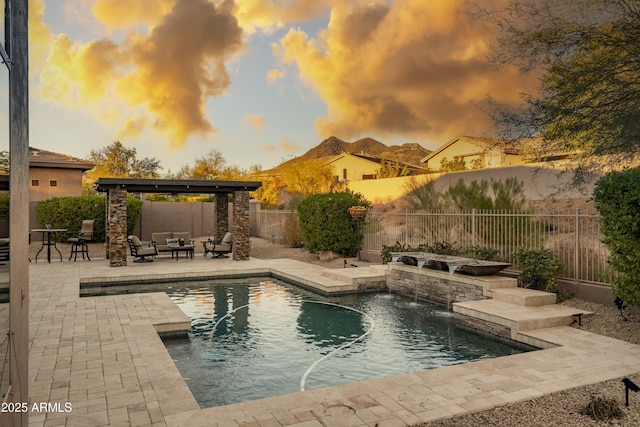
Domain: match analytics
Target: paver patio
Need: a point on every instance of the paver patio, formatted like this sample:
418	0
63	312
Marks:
103	355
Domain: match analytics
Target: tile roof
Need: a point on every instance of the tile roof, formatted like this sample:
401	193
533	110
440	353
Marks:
49	159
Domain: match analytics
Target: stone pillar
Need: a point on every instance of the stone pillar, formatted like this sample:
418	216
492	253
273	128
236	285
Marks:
222	215
241	226
117	228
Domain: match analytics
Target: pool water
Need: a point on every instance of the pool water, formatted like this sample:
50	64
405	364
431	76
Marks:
268	338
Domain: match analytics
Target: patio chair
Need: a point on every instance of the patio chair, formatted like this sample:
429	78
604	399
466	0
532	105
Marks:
80	239
139	251
219	249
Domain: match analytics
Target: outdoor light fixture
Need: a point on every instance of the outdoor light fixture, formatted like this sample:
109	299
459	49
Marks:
629	385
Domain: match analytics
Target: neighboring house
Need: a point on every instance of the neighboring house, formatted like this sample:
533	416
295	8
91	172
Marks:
356	167
55	175
477	153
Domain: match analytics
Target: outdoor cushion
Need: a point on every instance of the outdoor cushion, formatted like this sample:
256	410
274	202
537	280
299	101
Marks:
161	238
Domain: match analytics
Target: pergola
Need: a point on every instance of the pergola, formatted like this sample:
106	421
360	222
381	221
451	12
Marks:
116	215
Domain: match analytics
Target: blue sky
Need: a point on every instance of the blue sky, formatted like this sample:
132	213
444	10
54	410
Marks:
261	81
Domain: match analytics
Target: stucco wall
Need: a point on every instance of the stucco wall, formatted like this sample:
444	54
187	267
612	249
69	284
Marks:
69	183
355	166
539	183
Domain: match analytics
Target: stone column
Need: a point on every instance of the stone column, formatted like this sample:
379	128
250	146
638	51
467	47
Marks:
241	226
222	215
117	228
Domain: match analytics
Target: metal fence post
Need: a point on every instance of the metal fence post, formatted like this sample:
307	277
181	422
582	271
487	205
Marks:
576	265
474	219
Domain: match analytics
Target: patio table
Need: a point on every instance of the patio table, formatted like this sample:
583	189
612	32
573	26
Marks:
187	249
46	240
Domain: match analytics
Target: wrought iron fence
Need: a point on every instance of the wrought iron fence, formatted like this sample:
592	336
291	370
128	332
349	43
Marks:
573	236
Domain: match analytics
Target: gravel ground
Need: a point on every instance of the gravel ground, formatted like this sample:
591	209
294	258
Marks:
558	409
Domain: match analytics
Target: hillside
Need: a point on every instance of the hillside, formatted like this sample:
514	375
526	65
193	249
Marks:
406	153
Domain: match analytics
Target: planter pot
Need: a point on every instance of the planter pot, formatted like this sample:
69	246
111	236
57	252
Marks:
357	213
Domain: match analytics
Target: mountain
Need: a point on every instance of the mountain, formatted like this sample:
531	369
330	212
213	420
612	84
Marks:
410	153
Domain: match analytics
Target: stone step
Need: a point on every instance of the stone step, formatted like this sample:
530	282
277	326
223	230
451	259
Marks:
513	318
523	296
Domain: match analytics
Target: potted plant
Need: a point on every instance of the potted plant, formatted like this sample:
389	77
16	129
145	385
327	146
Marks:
180	241
357	212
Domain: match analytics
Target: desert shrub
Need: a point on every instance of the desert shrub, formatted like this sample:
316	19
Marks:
617	198
326	225
68	212
602	409
539	268
292	233
422	195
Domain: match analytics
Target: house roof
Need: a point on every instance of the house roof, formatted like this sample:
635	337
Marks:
482	142
373	159
48	159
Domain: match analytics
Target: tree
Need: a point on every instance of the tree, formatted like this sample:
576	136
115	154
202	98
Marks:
588	53
210	166
452	165
118	161
389	169
307	178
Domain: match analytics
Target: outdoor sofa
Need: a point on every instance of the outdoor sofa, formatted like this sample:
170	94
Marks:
162	240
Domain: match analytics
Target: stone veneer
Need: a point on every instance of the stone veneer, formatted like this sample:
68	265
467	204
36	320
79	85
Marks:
117	217
222	215
432	285
483	325
241	226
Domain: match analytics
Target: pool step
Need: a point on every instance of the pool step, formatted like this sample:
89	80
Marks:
518	318
523	296
360	278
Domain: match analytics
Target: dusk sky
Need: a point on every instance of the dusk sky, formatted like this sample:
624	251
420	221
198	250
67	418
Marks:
261	81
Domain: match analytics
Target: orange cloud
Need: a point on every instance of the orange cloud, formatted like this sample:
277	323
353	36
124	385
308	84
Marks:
127	13
289	146
268	148
166	75
274	75
254	120
409	68
268	15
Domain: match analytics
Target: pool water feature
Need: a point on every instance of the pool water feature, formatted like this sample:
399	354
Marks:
264	338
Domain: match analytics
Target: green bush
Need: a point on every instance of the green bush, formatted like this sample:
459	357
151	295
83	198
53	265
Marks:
539	268
68	212
326	225
617	198
483	253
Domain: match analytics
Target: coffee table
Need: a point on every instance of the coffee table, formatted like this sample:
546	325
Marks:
187	249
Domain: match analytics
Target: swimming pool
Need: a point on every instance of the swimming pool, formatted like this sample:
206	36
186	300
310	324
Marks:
262	337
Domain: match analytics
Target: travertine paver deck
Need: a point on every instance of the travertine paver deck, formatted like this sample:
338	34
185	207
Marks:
103	355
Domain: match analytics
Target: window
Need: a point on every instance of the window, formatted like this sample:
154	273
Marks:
53	183
35	183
